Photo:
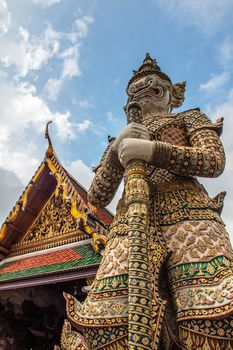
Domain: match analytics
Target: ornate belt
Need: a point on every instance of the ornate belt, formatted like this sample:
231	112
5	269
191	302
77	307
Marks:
175	185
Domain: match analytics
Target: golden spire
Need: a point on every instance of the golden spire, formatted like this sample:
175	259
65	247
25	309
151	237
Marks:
49	151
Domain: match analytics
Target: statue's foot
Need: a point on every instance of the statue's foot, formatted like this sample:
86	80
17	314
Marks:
104	322
94	312
71	340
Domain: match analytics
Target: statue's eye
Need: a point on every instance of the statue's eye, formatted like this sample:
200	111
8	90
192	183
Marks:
132	88
149	80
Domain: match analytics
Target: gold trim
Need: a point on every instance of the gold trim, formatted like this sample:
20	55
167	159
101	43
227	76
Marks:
205	335
79	209
15	212
3	231
38	172
51	166
49	243
22	200
25	195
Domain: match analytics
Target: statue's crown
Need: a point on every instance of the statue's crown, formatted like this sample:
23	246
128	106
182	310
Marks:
149	66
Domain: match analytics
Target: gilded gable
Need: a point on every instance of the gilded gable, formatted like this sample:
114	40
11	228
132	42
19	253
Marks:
54	224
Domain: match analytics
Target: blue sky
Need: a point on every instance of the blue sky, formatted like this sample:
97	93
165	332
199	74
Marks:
70	61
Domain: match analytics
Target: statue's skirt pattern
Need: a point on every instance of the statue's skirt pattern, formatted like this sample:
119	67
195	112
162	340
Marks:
200	270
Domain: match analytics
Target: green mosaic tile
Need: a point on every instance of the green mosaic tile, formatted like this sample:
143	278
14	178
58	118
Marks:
88	258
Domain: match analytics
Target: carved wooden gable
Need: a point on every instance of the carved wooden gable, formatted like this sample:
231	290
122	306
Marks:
54	224
52	211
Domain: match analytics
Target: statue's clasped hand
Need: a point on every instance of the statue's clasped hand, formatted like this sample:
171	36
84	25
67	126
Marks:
132	130
131	148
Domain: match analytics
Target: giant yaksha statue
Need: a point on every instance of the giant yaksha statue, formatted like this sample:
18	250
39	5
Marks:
166	278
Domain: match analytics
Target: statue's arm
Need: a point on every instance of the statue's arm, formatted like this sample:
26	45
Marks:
108	175
205	157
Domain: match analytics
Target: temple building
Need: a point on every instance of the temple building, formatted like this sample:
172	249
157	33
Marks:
50	243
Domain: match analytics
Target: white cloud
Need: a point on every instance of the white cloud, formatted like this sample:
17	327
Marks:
80	29
81	172
46	3
111	117
70	68
27	52
207	15
10	189
23	113
224	182
70	56
82	26
27	110
69	52
70	64
215	82
224	110
20	108
5	18
85	104
226	53
52	88
83	126
64	125
22	162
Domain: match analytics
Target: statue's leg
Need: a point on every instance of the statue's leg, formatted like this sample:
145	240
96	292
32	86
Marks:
206	334
201	283
102	317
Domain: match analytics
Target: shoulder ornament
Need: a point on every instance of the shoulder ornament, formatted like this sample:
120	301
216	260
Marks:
195	120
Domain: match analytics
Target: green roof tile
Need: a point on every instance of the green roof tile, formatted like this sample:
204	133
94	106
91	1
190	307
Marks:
17	269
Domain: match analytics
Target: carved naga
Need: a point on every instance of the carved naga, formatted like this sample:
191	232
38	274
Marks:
166	277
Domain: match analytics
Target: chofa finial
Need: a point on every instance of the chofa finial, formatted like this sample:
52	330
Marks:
49	151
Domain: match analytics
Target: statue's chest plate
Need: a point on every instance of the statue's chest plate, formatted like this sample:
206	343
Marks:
167	128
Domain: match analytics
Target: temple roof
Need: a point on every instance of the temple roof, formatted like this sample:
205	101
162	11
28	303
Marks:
72	258
52	211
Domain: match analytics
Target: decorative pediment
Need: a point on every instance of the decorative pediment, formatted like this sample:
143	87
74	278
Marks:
54	220
54	224
53	210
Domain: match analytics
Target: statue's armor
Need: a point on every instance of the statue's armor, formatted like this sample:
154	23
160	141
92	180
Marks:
186	222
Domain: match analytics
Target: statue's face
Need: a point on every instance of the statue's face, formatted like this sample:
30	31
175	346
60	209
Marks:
152	92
